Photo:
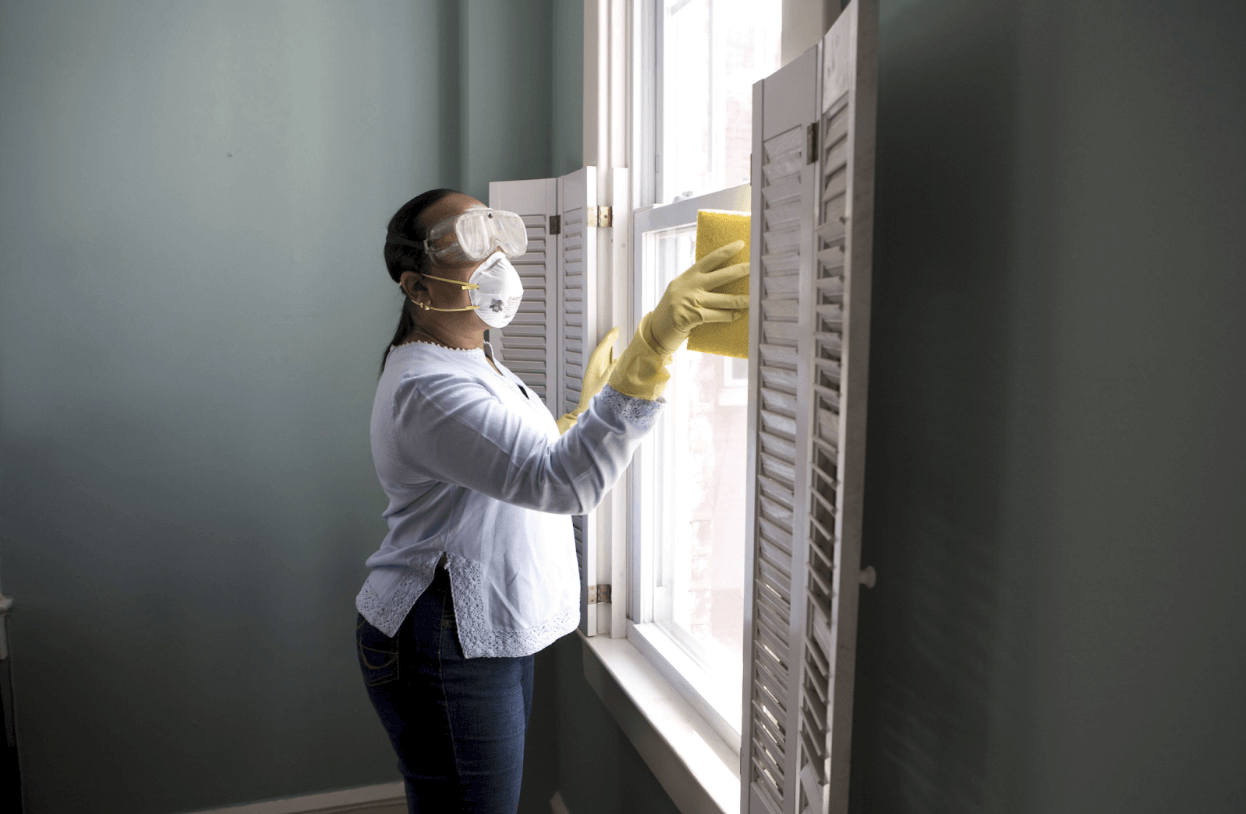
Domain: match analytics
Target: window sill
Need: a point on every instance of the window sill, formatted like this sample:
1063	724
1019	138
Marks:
706	692
695	766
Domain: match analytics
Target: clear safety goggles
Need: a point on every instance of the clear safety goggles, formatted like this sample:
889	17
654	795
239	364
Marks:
473	235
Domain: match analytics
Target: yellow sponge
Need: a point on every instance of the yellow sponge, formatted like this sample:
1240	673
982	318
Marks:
714	230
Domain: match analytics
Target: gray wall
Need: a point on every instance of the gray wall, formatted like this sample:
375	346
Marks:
192	311
1055	455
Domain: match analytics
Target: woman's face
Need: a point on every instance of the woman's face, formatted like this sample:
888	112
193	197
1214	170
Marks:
438	292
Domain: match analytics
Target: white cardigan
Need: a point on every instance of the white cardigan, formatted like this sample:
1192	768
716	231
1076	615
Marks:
474	468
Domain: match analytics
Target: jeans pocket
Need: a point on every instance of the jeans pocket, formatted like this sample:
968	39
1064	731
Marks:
378	654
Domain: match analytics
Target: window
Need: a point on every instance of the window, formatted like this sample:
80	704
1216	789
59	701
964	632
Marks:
803	395
712	51
686	557
688	484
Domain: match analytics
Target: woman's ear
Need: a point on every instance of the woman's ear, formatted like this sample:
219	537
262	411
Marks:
409	282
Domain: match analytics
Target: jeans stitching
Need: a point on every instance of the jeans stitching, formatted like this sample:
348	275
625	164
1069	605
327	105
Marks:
375	681
454	748
364	650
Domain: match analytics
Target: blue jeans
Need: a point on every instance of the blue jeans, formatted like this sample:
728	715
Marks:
457	724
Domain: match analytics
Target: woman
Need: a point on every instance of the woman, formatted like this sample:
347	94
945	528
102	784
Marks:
478	571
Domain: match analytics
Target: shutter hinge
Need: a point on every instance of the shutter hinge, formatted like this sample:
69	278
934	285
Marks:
600	217
811	143
555	224
599	594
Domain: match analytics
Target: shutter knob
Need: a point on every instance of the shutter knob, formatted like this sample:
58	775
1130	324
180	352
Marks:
869	577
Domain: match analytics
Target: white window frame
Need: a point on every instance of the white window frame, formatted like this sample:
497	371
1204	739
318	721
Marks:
716	700
639	677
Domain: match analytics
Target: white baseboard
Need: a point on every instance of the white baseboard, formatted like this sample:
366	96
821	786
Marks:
385	798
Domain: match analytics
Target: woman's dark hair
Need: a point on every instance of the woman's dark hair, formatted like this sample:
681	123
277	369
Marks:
398	258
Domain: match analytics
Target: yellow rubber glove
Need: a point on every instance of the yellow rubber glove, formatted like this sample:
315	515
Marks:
596	373
641	370
688	301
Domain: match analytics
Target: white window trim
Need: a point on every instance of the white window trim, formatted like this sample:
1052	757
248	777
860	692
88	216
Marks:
695	765
719	705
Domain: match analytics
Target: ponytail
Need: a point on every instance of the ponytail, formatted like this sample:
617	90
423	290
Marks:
405	324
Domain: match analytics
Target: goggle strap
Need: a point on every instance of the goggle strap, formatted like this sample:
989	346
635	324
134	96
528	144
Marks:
399	240
403	241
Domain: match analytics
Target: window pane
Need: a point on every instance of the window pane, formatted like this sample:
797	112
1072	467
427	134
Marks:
708	512
700	450
713	52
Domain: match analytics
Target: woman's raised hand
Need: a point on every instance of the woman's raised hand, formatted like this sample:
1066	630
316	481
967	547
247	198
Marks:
690	299
596	373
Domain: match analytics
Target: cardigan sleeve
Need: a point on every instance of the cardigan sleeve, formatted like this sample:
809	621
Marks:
454	429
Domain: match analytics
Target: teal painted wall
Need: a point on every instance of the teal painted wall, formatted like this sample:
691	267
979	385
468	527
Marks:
567	130
599	771
521	90
1055	454
506	91
192	310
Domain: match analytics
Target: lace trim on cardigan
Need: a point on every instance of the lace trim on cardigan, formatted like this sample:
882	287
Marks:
387	616
642	413
475	637
466	587
393	348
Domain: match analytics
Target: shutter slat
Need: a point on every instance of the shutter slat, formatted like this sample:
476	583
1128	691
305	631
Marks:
521	341
776	512
778	378
778	403
777	424
772	490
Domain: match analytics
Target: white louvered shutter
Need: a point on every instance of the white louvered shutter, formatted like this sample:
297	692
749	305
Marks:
779	380
577	337
550	339
813	144
529	345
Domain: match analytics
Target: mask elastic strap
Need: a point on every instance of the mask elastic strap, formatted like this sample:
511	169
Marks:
465	286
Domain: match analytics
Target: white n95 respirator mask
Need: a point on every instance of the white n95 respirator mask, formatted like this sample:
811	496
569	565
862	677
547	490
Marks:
495	291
